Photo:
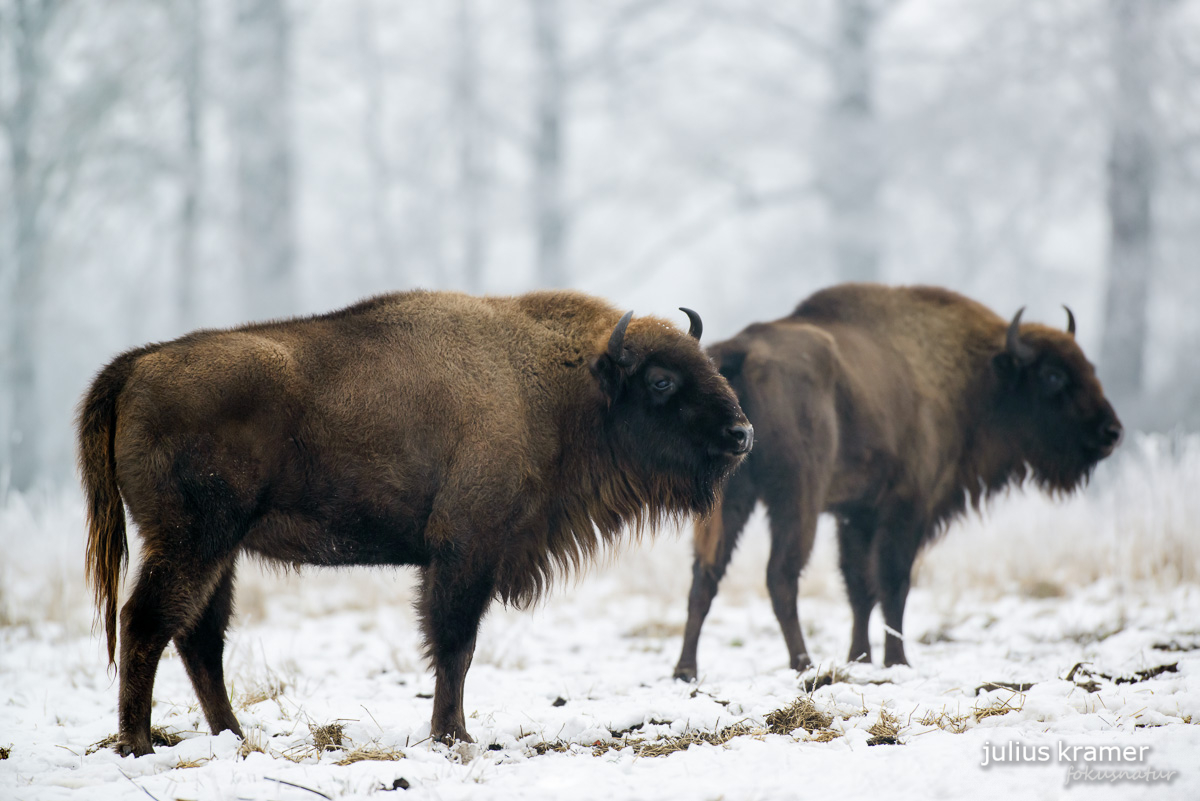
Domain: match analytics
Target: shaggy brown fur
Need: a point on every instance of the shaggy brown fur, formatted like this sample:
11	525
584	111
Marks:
488	441
892	409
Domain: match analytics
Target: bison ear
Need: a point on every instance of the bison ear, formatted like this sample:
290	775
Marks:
1007	368
609	374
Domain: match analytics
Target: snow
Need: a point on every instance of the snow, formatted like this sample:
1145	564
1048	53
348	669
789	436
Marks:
341	647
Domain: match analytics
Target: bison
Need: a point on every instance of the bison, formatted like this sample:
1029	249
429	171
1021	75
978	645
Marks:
892	409
487	441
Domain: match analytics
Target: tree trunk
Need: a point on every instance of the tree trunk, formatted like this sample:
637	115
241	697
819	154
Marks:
850	161
1131	184
550	218
262	139
388	265
191	79
23	283
472	184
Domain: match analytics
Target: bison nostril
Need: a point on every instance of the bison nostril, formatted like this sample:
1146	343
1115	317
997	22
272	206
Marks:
1114	433
743	438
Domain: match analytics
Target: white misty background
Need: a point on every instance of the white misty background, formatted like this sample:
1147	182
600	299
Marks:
178	164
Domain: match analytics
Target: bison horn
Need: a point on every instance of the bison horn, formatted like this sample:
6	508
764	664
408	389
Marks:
696	327
616	342
1070	320
1013	343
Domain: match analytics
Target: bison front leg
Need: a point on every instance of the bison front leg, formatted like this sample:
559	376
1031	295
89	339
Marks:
453	600
714	541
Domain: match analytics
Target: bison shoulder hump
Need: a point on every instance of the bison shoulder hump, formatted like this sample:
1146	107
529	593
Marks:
806	352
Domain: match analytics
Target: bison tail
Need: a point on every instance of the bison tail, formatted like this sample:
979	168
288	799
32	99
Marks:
107	550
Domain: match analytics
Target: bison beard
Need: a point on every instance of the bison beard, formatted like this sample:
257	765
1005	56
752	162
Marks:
488	441
892	409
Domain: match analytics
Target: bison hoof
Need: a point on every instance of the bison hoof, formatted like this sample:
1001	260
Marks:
136	749
801	663
456	734
685	673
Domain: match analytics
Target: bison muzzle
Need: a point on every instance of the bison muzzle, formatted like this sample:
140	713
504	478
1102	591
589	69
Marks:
892	409
487	441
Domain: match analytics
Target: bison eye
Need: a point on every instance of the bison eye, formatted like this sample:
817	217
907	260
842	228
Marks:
661	382
1053	380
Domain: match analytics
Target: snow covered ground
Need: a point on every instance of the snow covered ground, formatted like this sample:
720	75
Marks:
575	699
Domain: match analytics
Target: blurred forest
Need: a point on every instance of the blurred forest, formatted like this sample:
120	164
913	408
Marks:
173	164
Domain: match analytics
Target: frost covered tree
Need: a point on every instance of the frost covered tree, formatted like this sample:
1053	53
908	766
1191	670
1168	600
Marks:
49	117
850	163
262	138
549	142
1132	160
27	24
189	23
467	118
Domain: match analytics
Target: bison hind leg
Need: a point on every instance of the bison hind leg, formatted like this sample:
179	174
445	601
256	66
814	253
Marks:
183	592
715	540
854	557
202	649
895	551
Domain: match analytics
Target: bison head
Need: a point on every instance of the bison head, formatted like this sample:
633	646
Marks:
673	422
1052	404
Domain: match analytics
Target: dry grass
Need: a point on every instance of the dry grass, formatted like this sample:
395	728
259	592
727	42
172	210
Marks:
998	707
666	746
328	737
252	743
371	753
800	714
885	730
5	752
158	736
826	678
953	723
271	689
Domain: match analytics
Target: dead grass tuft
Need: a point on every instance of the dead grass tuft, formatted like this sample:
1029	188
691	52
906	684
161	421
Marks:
371	753
158	736
834	675
800	714
885	730
328	737
670	745
998	707
5	752
270	690
955	724
252	743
